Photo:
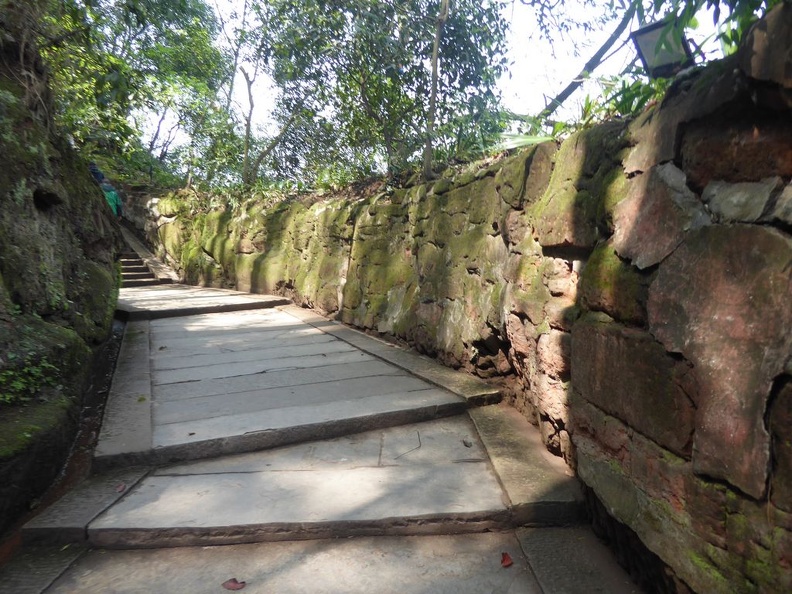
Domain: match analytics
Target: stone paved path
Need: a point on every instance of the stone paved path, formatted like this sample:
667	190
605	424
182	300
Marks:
323	460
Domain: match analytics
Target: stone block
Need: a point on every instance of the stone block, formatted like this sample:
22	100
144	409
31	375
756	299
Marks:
514	227
751	148
610	285
659	209
554	351
766	52
780	424
510	180
550	397
566	216
722	301
540	169
515	332
781	210
562	312
626	373
607	431
653	134
742	202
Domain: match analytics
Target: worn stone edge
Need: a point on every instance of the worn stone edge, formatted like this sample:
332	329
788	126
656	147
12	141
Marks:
475	391
26	575
124	414
273	438
44	527
507	444
430	524
135	314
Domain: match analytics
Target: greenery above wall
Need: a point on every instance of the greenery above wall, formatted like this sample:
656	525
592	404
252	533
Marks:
168	91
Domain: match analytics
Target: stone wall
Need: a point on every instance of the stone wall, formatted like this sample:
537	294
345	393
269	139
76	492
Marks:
58	278
630	289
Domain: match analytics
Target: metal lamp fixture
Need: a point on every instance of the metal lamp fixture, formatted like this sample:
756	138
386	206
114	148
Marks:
663	50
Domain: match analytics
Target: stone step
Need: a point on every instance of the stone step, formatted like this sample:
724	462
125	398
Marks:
137	275
544	561
166	299
135	267
426	478
144	282
193	387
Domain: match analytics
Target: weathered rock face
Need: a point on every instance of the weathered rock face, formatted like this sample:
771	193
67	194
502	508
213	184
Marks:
727	290
58	280
630	289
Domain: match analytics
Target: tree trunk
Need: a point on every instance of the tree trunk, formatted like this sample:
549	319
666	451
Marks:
253	175
247	172
430	120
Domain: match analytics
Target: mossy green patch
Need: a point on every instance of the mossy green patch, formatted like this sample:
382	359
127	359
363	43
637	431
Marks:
21	426
510	179
709	574
610	285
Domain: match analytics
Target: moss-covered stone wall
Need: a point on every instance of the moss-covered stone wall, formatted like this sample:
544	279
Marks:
58	277
630	289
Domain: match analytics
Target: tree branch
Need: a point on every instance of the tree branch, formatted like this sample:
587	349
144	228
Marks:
589	67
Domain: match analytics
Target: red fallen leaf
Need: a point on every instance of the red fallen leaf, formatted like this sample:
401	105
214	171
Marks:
233	584
120	488
506	560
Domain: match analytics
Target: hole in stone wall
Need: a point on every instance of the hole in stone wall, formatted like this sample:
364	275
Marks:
566	252
45	199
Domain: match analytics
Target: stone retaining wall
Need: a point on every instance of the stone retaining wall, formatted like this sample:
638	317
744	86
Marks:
630	288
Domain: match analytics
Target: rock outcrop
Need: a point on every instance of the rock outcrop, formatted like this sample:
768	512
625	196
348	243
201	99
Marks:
58	280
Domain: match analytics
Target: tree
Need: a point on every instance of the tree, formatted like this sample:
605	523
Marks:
430	116
114	59
365	65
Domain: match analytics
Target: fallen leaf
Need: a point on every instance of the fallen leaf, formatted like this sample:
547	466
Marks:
120	488
233	584
506	560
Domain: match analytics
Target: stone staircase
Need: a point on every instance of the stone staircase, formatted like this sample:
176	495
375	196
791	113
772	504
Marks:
135	272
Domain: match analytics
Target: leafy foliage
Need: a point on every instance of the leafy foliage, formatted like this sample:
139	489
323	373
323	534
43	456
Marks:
350	81
361	67
112	59
22	382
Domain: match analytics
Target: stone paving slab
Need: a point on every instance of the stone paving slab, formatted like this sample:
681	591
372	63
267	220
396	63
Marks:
425	478
67	519
126	426
236	433
334	354
445	441
540	487
181	393
306	346
289	397
276	379
34	569
573	561
164	301
469	564
475	391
